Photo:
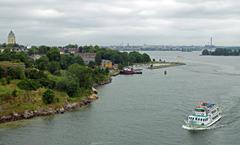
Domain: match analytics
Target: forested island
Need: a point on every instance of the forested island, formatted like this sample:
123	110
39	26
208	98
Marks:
230	51
44	80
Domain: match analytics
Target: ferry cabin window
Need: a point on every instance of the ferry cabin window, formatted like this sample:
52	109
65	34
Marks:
215	117
191	118
214	111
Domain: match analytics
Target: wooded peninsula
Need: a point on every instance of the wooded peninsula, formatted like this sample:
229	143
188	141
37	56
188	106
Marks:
44	80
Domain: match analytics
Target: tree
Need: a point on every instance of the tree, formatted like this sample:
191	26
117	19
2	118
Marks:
43	49
91	64
33	73
98	58
28	84
83	75
78	60
135	57
54	54
33	50
68	84
44	81
15	72
42	63
53	67
66	60
146	58
48	96
71	46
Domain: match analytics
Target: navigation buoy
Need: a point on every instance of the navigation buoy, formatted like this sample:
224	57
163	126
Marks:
165	72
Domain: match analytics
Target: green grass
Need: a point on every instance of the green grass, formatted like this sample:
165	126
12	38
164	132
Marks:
8	87
26	100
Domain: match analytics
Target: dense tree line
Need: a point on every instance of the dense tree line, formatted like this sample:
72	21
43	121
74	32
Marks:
222	52
117	57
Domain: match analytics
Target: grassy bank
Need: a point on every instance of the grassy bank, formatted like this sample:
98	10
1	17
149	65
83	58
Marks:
31	100
25	100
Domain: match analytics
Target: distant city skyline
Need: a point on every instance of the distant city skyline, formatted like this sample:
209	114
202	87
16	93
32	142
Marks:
108	22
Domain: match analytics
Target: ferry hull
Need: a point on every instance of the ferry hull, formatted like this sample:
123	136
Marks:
192	128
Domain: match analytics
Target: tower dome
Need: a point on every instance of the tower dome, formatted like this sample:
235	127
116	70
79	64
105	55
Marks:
11	38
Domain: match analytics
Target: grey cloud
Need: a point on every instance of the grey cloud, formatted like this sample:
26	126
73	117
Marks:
103	22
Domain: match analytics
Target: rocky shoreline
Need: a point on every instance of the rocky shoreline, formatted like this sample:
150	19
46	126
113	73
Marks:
108	81
28	114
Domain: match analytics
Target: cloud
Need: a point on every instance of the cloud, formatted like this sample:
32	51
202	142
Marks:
106	22
47	13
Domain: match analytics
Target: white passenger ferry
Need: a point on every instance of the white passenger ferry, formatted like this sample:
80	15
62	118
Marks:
204	115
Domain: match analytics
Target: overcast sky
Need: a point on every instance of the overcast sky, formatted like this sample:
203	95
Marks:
107	22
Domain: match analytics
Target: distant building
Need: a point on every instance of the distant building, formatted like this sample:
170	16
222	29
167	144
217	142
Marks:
107	64
11	38
36	56
73	50
115	66
87	57
20	48
62	50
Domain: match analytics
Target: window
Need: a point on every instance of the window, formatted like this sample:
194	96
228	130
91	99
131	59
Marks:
215	117
214	111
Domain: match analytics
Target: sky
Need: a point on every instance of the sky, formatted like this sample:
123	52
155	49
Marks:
115	22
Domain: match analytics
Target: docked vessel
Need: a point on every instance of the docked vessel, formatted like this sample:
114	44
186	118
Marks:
130	71
204	116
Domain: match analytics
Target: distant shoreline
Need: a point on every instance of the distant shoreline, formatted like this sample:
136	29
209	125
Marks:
159	65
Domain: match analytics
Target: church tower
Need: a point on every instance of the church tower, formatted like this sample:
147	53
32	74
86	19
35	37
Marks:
11	38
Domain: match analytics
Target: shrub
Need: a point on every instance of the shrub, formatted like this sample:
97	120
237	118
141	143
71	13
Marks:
69	85
33	73
8	80
47	83
14	93
28	84
3	81
48	96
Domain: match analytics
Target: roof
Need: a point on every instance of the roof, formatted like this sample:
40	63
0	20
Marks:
11	34
87	55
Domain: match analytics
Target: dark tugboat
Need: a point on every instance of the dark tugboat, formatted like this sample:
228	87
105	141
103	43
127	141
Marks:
130	71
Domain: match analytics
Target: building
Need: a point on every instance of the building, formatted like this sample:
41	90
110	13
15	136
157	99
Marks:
11	38
87	57
73	50
106	64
